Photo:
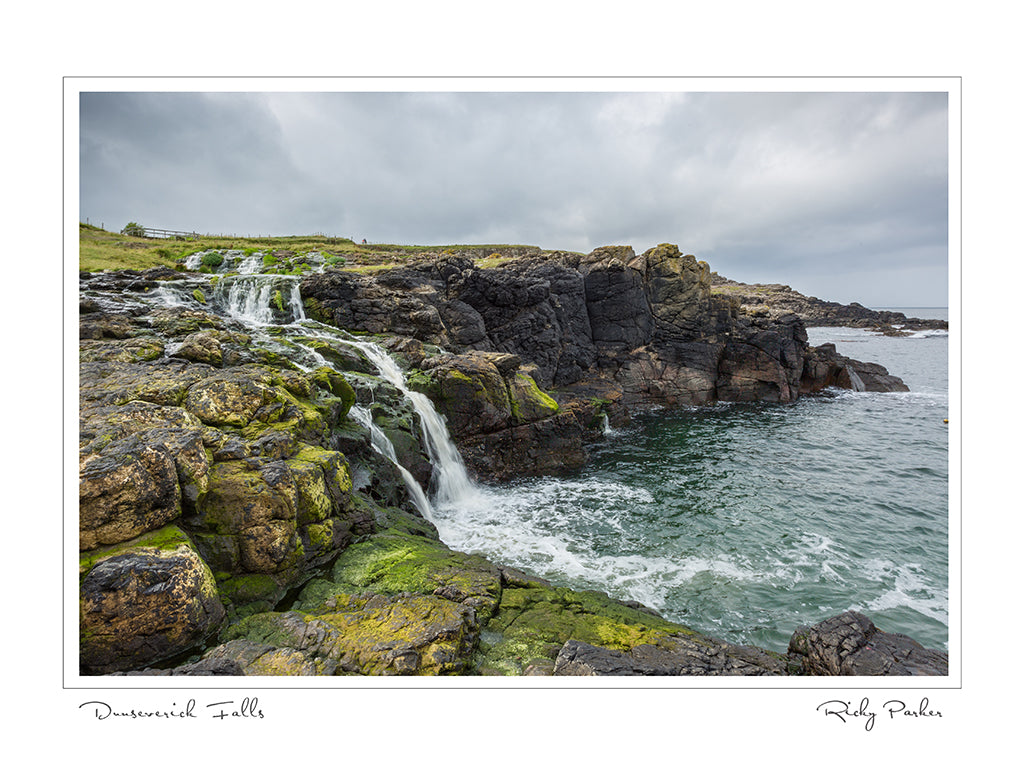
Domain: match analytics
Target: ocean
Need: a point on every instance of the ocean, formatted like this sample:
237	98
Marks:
744	521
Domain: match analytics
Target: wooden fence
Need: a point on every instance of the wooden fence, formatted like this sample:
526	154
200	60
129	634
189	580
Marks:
173	234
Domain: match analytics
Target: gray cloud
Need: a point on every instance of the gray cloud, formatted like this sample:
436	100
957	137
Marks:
842	195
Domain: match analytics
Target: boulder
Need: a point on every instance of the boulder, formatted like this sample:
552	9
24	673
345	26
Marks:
367	635
127	488
850	644
144	602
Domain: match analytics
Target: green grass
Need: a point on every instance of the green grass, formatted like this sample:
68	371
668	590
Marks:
99	250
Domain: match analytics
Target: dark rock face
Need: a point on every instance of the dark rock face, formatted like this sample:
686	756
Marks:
648	326
824	367
850	644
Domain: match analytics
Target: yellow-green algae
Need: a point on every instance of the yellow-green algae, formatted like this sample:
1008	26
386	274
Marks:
369	635
167	538
534	622
529	402
395	561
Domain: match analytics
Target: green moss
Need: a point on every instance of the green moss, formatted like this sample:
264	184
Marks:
317	311
250	588
199	296
396	561
212	259
260	628
533	623
279	301
528	401
170	537
331	381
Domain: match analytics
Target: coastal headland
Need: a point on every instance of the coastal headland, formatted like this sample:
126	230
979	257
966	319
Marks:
237	515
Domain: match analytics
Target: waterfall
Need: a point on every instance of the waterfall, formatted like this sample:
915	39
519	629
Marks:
383	446
259	300
252	298
450	483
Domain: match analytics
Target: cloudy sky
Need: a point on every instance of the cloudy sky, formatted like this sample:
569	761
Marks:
844	196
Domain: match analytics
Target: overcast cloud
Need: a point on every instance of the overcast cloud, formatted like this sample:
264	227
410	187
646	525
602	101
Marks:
841	195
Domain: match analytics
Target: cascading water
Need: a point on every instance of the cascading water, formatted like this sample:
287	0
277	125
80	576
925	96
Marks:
385	448
450	483
251	298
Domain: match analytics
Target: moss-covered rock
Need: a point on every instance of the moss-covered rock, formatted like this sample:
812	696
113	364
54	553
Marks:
139	349
533	623
369	635
201	347
126	488
527	400
469	391
397	561
229	401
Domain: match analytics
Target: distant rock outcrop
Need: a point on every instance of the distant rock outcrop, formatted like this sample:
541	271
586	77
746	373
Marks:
775	299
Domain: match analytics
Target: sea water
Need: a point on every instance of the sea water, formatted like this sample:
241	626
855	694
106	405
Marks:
744	521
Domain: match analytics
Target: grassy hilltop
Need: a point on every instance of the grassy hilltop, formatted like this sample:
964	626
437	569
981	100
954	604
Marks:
100	250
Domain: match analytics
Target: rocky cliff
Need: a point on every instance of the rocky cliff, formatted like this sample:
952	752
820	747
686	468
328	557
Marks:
606	333
236	519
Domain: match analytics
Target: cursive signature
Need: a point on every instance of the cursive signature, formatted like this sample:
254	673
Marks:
220	710
863	712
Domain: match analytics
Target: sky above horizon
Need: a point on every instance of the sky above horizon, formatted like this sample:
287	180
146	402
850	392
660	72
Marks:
843	196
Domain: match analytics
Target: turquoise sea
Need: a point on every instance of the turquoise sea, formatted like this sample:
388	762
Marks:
745	521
